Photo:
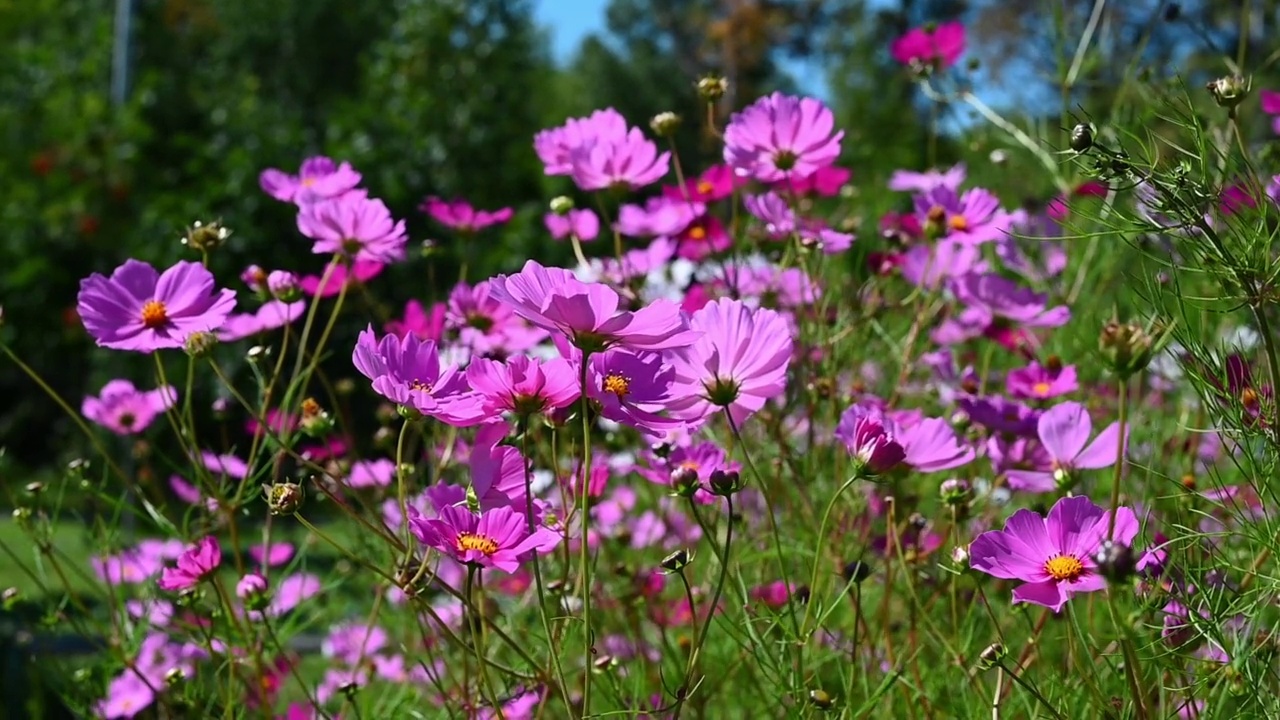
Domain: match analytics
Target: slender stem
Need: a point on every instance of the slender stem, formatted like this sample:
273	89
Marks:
1273	362
1034	692
1130	660
1119	472
402	491
584	554
711	610
822	534
477	639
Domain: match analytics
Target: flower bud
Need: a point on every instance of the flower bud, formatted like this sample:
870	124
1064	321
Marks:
284	286
408	413
960	557
676	561
315	421
283	498
664	124
200	343
561	205
1063	479
256	278
684	482
855	572
252	590
1081	138
712	87
9	598
725	483
993	655
821	699
1126	347
1229	91
955	492
257	354
205	238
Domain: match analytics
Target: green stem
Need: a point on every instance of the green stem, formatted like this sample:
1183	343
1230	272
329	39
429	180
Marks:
552	646
584	559
1034	692
1119	472
822	534
477	640
696	653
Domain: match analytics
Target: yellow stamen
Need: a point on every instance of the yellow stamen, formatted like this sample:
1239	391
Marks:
154	314
616	384
957	222
705	187
417	384
471	541
1040	388
1064	567
697	232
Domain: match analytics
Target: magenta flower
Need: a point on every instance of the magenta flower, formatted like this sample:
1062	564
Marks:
361	271
355	226
419	323
929	265
781	135
627	162
125	410
824	182
931	445
938	48
781	222
556	146
272	315
659	215
319	179
1270	100
523	385
194	565
223	465
459	215
925	182
737	364
870	438
140	309
992	303
1037	382
715	183
974	217
704	237
588	314
407	372
1064	430
496	538
484	324
128	694
273	555
582	224
371	473
1052	556
703	459
632	388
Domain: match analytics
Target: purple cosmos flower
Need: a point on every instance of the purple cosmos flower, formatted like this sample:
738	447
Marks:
925	182
989	298
140	309
194	565
715	183
319	179
127	695
523	385
632	388
1000	414
870	438
497	474
974	217
938	48
556	146
658	216
738	363
419	323
1053	556
273	314
703	459
588	313
354	226
485	325
628	162
582	224
653	258
339	276
781	135
125	410
408	373
1037	382
190	494
284	286
371	473
225	465
496	538
256	278
1270	101
931	445
704	237
459	215
825	182
1064	431
252	586
780	222
930	265
273	555
291	592
350	643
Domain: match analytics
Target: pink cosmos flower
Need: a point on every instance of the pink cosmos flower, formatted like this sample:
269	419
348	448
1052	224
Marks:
1270	100
190	494
632	388
781	222
1037	382
273	555
459	215
781	135
628	162
660	215
974	217
273	314
703	459
418	322
738	363
140	309
870	438
775	594
931	445
361	271
225	465
371	473
319	179
1052	556
925	182
355	226
588	313
825	182
496	538
938	48
715	183
1064	430
930	265
704	237
556	146
583	224
194	565
524	385
485	325
292	592
407	372
125	410
992	304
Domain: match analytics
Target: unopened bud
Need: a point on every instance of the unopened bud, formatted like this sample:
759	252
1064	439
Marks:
1126	347
256	278
252	590
200	343
955	492
561	205
1229	91
1081	138
10	597
821	699
283	498
676	561
664	124
205	237
284	286
1115	561
960	557
855	572
712	87
993	655
684	482
725	483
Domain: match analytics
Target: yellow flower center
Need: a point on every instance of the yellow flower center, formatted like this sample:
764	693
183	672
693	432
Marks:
154	314
689	464
705	187
416	384
1040	388
697	232
616	384
936	214
957	222
471	541
1064	567
308	181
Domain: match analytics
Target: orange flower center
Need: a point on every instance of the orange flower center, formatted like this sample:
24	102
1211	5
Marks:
705	187
957	222
154	314
689	464
1064	567
1041	388
936	214
308	181
697	232
471	541
616	384
416	384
